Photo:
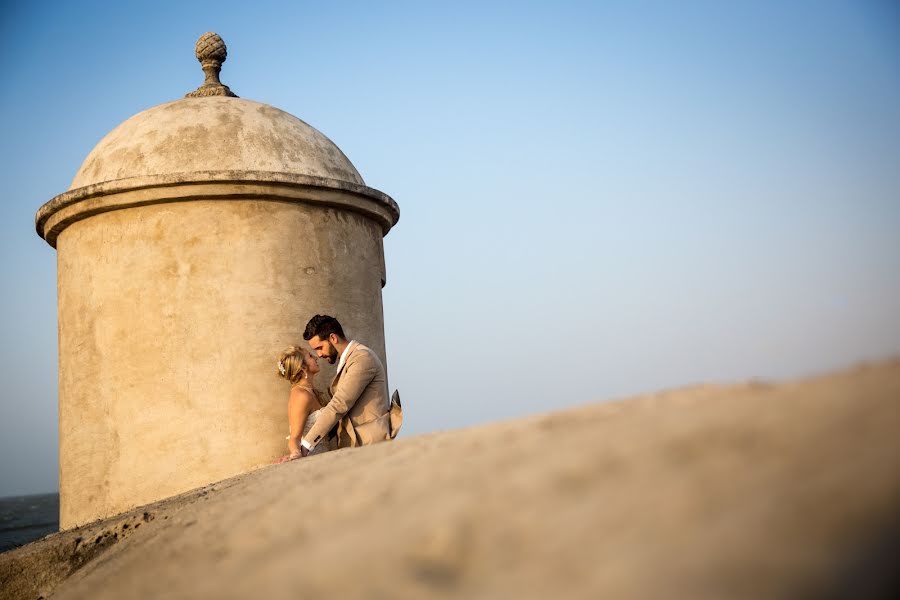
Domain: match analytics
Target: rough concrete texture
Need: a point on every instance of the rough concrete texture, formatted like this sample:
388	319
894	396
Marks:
213	134
749	491
170	319
34	571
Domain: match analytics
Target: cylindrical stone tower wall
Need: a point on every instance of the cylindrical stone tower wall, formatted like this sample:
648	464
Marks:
170	319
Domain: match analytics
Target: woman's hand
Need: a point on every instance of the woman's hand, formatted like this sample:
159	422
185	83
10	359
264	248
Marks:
286	458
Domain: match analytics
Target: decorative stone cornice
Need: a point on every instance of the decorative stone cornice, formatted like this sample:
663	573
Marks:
81	203
211	52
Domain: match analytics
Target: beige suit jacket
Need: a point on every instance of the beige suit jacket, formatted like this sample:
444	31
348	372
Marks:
359	405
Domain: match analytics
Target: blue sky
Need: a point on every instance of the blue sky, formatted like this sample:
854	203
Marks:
598	199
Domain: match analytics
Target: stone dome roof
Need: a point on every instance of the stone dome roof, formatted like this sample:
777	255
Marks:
217	133
212	145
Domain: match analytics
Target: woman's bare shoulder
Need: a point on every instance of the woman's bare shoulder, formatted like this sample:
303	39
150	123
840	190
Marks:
303	398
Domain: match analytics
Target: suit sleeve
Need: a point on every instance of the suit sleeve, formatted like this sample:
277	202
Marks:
358	373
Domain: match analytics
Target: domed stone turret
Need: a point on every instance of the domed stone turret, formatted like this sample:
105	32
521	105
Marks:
196	240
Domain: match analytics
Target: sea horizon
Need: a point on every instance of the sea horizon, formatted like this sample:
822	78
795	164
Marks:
27	517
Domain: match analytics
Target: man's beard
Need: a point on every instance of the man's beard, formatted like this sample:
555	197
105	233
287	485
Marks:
332	355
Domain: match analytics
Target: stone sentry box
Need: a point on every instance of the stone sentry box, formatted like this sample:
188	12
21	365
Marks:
194	243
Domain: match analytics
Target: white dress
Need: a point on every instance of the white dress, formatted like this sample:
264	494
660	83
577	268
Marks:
310	421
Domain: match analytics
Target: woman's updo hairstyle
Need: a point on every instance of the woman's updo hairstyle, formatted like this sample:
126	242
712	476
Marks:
291	365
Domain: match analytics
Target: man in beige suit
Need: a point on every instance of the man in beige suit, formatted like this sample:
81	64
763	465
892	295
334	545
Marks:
359	412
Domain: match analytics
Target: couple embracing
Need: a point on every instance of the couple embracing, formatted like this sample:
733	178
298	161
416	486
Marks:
359	411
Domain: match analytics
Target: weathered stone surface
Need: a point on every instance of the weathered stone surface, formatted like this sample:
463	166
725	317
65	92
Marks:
748	491
170	319
214	134
81	203
35	570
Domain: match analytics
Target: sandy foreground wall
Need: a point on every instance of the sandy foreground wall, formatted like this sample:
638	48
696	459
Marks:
749	491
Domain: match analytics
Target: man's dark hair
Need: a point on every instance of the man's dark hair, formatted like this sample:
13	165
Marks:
323	326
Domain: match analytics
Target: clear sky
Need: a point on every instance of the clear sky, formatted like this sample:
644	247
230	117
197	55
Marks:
597	199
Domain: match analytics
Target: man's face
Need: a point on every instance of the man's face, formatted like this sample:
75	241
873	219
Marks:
324	349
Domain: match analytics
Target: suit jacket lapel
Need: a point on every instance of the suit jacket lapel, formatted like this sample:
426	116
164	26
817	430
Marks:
337	375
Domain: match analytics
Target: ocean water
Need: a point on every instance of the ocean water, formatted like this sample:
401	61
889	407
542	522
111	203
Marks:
24	519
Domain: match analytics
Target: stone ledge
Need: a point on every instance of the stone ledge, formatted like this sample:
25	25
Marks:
36	569
72	206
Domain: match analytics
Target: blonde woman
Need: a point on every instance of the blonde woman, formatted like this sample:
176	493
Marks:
299	366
